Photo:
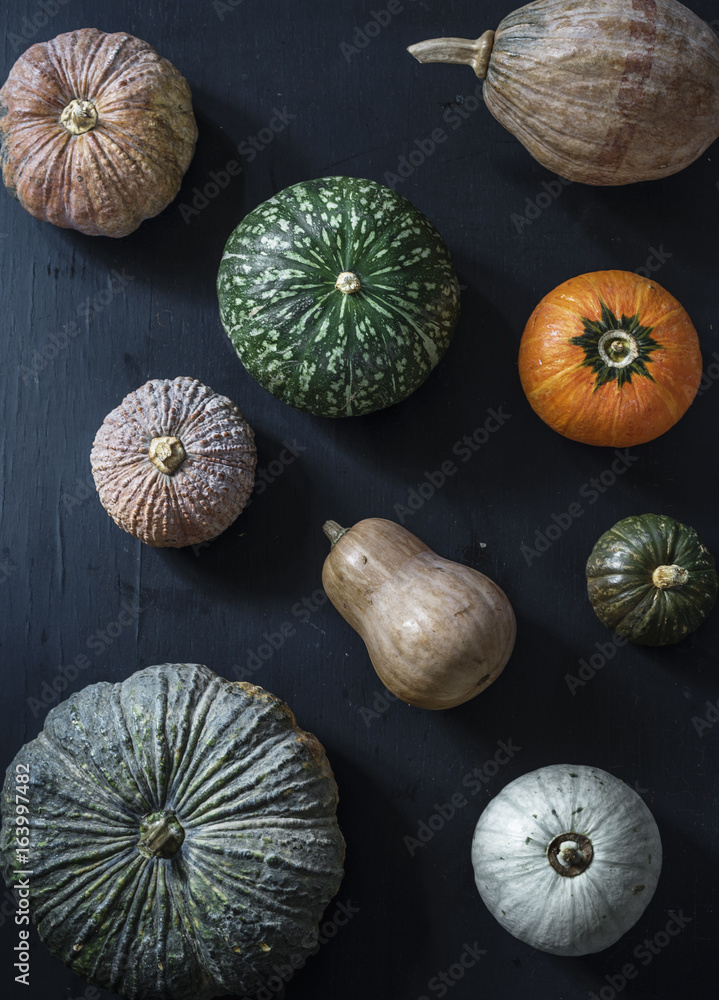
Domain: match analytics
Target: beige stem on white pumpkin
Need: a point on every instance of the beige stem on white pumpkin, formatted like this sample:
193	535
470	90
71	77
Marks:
570	854
462	51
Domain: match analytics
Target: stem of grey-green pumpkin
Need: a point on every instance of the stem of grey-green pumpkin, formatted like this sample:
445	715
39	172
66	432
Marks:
161	835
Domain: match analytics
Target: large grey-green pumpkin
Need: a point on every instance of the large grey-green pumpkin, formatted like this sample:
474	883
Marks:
339	296
183	836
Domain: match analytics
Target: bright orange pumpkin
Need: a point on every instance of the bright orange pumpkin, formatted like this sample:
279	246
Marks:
610	358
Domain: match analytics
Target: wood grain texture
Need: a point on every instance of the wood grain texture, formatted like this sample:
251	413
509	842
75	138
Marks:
87	321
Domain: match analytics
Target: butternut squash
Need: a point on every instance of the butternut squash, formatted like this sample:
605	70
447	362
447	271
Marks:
438	633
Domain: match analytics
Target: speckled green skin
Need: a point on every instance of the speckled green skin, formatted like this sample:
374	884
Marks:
261	857
619	580
317	348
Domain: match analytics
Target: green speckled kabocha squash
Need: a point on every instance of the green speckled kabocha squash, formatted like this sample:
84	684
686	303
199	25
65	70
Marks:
339	296
183	836
650	579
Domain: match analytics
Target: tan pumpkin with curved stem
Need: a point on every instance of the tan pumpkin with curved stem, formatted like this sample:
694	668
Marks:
438	633
600	91
96	131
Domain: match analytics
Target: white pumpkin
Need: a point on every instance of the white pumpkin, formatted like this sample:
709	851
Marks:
567	858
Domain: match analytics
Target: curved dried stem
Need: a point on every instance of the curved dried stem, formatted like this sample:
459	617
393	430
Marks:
463	51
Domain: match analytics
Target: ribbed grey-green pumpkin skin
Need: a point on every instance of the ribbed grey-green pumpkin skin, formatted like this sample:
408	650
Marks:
322	350
262	852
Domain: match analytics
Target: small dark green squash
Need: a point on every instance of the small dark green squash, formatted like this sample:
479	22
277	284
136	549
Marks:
183	836
338	295
650	579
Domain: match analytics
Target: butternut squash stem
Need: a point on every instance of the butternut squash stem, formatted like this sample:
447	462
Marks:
461	51
334	531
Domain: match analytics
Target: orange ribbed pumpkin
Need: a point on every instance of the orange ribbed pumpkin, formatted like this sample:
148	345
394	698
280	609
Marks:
610	358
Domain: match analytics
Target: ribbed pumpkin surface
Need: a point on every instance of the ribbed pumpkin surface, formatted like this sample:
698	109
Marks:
320	349
610	358
622	587
607	91
201	497
125	168
254	796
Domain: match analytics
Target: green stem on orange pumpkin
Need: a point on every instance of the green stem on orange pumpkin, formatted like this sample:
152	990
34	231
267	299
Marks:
618	348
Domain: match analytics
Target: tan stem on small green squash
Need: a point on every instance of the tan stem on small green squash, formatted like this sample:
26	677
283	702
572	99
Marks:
79	117
167	454
334	531
348	282
461	51
669	577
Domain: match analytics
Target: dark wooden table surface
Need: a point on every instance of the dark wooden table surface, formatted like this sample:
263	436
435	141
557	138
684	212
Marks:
302	89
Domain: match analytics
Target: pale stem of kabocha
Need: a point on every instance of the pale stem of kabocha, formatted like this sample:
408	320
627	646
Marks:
79	116
570	854
166	454
348	282
618	348
462	51
669	577
334	531
161	835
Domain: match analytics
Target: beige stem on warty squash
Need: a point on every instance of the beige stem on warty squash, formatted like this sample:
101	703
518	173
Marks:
464	51
167	454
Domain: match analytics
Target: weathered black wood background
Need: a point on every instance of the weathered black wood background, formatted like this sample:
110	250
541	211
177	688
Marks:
294	89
